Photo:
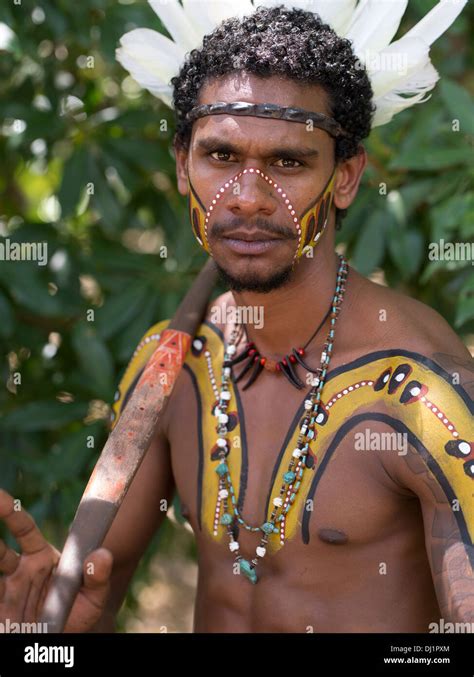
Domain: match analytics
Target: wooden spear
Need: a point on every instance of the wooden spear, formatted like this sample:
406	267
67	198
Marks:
125	449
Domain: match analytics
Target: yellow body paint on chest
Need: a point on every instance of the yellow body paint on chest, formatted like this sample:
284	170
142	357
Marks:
406	391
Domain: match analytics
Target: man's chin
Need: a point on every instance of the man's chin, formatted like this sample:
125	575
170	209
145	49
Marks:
254	282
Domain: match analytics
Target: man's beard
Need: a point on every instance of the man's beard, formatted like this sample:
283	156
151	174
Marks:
253	282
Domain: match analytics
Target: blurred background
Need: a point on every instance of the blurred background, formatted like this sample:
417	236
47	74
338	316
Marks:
71	118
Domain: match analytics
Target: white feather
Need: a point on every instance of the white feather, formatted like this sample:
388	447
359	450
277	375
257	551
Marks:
436	22
396	101
145	77
152	59
375	23
207	14
397	63
177	23
337	13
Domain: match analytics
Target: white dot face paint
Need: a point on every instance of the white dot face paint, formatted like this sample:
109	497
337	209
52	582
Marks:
228	184
314	219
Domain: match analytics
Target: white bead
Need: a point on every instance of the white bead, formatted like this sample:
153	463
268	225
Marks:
260	551
297	453
231	350
223	418
225	395
217	411
277	501
308	404
226	371
233	545
223	493
323	357
221	442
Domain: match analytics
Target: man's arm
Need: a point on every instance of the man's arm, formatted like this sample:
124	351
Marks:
437	469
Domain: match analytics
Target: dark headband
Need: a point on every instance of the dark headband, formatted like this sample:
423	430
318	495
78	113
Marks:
268	110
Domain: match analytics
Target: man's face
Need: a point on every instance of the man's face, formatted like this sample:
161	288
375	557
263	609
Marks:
298	160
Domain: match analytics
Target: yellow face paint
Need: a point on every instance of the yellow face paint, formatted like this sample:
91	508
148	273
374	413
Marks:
309	227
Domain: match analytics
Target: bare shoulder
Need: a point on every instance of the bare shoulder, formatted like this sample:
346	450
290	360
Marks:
405	322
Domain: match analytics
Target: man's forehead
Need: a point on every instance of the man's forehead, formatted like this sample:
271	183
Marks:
248	87
250	132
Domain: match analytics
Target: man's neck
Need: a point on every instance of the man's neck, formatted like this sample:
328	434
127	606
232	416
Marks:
293	312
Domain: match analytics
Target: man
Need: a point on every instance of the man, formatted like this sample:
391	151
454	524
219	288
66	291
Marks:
377	525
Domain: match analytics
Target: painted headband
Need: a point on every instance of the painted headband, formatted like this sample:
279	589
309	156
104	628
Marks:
310	226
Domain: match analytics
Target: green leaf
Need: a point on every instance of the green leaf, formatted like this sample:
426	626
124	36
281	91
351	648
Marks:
370	246
7	321
459	103
105	201
406	250
432	158
118	310
43	415
76	174
94	359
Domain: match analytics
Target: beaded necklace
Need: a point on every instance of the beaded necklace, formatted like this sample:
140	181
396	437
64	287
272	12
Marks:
292	477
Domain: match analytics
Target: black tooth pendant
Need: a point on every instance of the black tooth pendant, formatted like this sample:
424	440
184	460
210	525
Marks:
258	368
241	357
245	369
287	373
300	360
293	373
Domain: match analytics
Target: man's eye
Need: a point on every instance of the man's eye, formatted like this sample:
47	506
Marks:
220	152
290	166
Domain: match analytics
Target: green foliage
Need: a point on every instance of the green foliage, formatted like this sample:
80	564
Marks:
86	166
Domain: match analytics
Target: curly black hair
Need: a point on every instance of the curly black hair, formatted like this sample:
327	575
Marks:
291	43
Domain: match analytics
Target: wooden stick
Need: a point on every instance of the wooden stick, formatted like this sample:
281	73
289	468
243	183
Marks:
125	449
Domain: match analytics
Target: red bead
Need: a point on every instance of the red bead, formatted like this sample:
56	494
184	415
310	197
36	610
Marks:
292	358
277	366
252	352
300	351
284	362
263	360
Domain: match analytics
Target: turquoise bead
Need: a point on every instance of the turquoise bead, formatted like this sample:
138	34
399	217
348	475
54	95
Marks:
289	477
226	518
248	570
221	469
267	527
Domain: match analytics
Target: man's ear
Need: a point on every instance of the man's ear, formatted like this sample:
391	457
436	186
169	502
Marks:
181	157
349	175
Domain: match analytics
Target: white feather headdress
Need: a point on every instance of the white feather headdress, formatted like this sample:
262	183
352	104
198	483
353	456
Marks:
401	72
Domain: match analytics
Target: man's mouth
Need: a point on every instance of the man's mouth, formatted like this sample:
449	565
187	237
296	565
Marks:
251	236
251	242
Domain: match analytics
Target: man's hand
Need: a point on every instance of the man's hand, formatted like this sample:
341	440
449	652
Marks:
25	577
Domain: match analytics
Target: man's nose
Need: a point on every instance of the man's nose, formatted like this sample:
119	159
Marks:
250	194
